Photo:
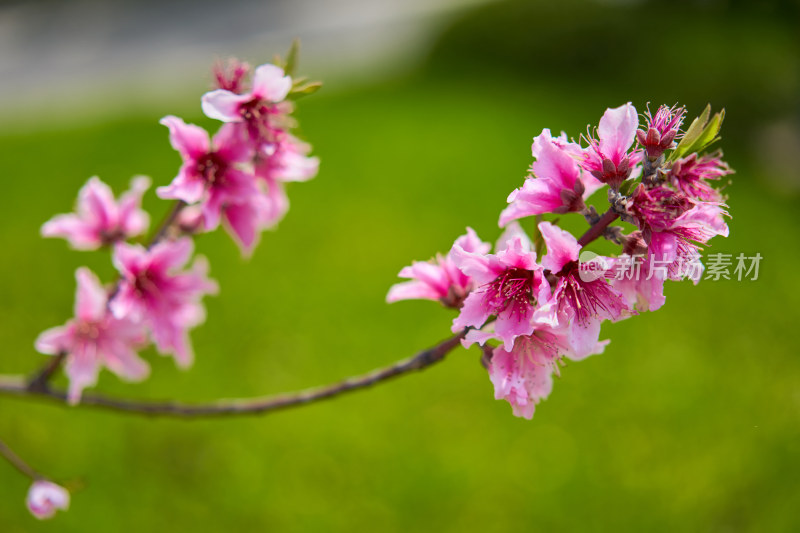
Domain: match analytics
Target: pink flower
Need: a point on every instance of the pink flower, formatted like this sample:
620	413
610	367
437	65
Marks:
523	376
558	185
579	302
510	285
693	175
246	219
211	172
573	149
258	109
230	75
277	162
156	291
286	159
608	158
643	290
674	226
677	247
660	131
45	497
99	220
95	339
657	209
439	279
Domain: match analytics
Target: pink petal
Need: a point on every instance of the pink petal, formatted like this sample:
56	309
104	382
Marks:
592	184
190	140
77	232
473	313
573	149
478	335
480	267
243	222
90	298
508	326
555	164
232	143
470	242
55	340
96	204
277	205
584	338
617	130
128	258
82	368
536	196
270	83
223	105
412	290
169	255
132	219
562	247
123	361
186	186
45	497
513	232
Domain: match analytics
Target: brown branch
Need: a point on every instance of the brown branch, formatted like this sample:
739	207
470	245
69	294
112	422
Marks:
598	228
15	386
15	461
40	379
166	223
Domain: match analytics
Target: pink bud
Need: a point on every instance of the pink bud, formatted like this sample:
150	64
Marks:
44	498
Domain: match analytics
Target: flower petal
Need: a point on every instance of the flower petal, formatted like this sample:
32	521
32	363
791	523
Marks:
190	140
271	83
223	105
562	247
90	298
617	130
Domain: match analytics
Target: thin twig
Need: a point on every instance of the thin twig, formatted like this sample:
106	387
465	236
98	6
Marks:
40	380
598	228
166	223
15	386
15	460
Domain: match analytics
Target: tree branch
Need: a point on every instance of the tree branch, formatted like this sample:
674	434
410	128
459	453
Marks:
39	380
16	386
15	461
599	227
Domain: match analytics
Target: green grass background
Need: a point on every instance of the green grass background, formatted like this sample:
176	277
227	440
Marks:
690	421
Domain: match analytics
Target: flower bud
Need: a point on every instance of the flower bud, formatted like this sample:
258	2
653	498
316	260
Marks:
45	497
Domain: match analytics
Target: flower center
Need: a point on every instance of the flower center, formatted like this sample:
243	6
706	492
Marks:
253	110
89	331
588	299
211	167
512	289
145	283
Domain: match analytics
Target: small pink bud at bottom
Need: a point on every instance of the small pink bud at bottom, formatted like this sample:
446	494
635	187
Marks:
45	498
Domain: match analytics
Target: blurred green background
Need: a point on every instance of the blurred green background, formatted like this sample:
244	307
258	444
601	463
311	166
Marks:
690	421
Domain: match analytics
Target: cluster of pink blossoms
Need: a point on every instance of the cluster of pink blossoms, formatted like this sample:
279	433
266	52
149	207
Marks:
235	178
530	313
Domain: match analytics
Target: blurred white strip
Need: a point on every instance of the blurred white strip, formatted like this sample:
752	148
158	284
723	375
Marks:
62	60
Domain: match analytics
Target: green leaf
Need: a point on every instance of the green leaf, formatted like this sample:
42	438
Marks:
692	133
291	58
701	133
709	134
628	186
304	89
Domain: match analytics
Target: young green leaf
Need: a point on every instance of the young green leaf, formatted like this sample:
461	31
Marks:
692	134
291	58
